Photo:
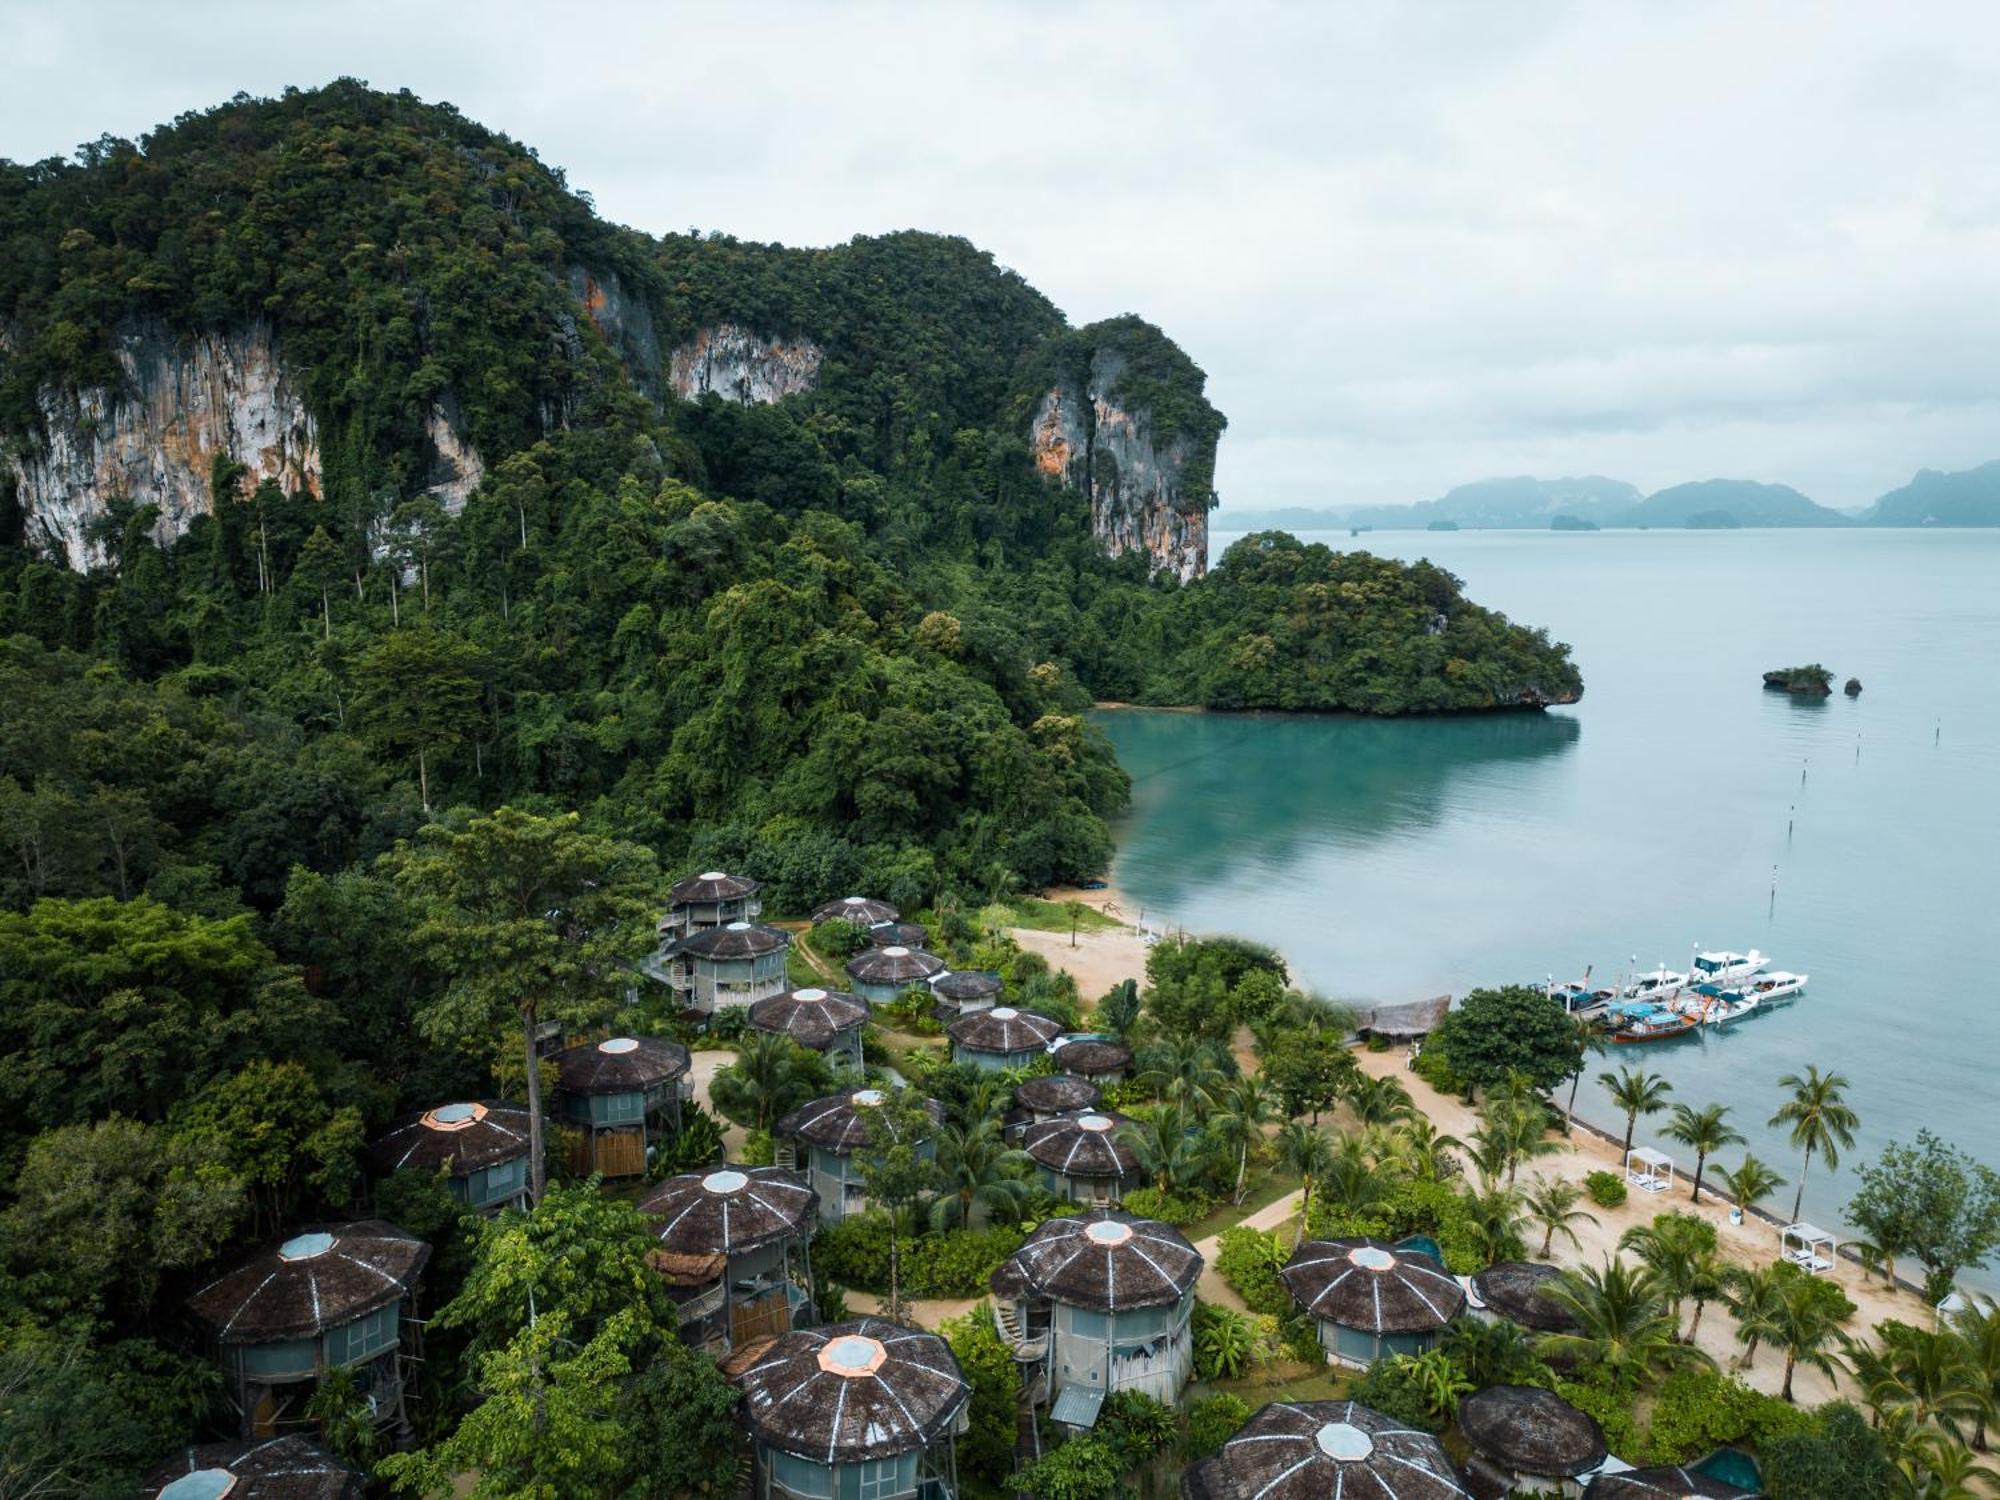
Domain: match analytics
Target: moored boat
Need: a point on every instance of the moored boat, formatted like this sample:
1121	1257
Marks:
1724	967
1659	984
1646	1022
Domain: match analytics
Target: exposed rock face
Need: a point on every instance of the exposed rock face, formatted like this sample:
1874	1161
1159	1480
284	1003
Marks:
1136	484
625	321
743	366
154	441
455	467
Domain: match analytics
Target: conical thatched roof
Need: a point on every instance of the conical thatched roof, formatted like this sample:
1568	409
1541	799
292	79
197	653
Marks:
280	1468
1003	1029
839	1122
853	1391
899	935
730	1210
1527	1430
1055	1092
1104	1260
1517	1291
462	1137
1668	1482
893	964
712	885
316	1280
812	1017
964	985
1371	1285
1316	1450
736	940
1092	1058
1082	1145
620	1065
863	911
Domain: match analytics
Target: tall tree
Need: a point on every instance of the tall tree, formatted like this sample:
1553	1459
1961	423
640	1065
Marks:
1819	1119
1702	1131
1552	1203
983	1179
899	1165
1751	1183
1637	1093
420	694
1306	1152
1933	1201
1516	1029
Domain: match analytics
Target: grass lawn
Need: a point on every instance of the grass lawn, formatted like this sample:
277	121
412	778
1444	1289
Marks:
1045	916
1286	1381
1265	1189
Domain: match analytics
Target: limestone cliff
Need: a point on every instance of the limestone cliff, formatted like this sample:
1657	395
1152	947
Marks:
625	321
744	366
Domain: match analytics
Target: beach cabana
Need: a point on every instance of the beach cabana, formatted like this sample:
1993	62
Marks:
277	1468
623	1094
332	1297
1103	1060
881	974
819	1141
862	911
482	1148
898	934
1312	1450
1081	1158
865	1410
826	1021
1042	1099
1648	1170
733	1251
962	991
1371	1298
735	964
1517	1290
1001	1038
1110	1297
1402	1022
711	899
1527	1438
1807	1246
1666	1482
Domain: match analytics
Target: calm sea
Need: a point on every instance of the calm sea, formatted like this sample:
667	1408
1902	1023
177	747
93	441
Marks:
1392	860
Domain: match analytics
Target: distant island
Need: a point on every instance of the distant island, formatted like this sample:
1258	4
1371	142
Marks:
1591	502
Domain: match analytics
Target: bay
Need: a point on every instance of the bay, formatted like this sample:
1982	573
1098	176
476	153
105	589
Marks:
1392	859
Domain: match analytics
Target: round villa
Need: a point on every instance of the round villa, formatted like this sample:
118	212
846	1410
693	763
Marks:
1371	1298
710	899
735	964
325	1299
1528	1438
1106	1298
1101	1059
857	1411
623	1093
1667	1482
827	1021
1081	1158
1001	1038
963	991
1309	1450
862	911
827	1133
1517	1290
482	1147
1039	1100
733	1252
881	974
279	1468
894	934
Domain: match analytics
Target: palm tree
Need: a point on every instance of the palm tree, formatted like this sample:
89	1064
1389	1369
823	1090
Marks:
1820	1120
1170	1150
1552	1203
1515	1129
1307	1152
1501	1352
1934	1465
760	1085
1436	1378
1378	1101
1701	1131
1493	1223
1185	1070
1245	1108
1424	1150
1637	1092
1805	1324
1350	1181
1750	1183
1672	1247
1977	1328
984	1177
1624	1327
1591	1043
1922	1375
1752	1295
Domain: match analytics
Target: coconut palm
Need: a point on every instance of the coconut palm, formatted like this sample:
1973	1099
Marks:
1378	1101
1500	1352
1591	1043
1552	1203
1185	1070
1435	1377
1624	1327
984	1179
771	1074
1308	1153
1516	1127
1637	1092
1977	1328
1750	1183
1933	1465
1922	1375
1493	1224
1679	1250
1819	1118
1806	1323
1701	1131
1246	1106
1171	1151
1752	1295
1423	1150
1351	1182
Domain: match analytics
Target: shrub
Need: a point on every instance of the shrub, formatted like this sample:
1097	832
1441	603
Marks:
831	1302
1606	1189
987	1448
956	1262
1613	1410
1084	1468
855	1252
1394	1391
1247	1260
1377	1042
1137	1425
1177	1209
1211	1422
1412	1206
1435	1069
1298	1336
697	1144
758	1150
1701	1410
1224	1342
1838	1457
839	939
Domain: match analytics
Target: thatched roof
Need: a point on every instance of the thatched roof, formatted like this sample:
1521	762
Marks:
1517	1290
730	1210
1105	1260
620	1065
853	1391
713	885
962	985
462	1137
318	1279
812	1017
1055	1092
1668	1482
736	940
863	911
1003	1029
1082	1145
1311	1450
1371	1285
839	1122
1092	1058
1527	1430
1408	1018
280	1468
686	1270
893	964
898	935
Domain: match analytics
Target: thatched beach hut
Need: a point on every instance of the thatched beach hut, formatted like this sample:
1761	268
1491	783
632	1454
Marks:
819	1141
1529	1438
826	1021
1001	1038
1103	1060
962	991
736	964
1517	1290
733	1250
1371	1298
1038	1100
278	1468
1667	1482
866	1410
623	1094
331	1297
1081	1158
711	899
862	911
1312	1450
881	974
482	1147
1107	1297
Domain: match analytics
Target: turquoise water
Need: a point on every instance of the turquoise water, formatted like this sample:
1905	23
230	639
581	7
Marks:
1392	860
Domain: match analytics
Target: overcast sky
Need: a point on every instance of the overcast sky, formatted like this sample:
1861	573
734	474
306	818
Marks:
1412	245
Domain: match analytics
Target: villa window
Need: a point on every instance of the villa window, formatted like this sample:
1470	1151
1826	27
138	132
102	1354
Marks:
802	1477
